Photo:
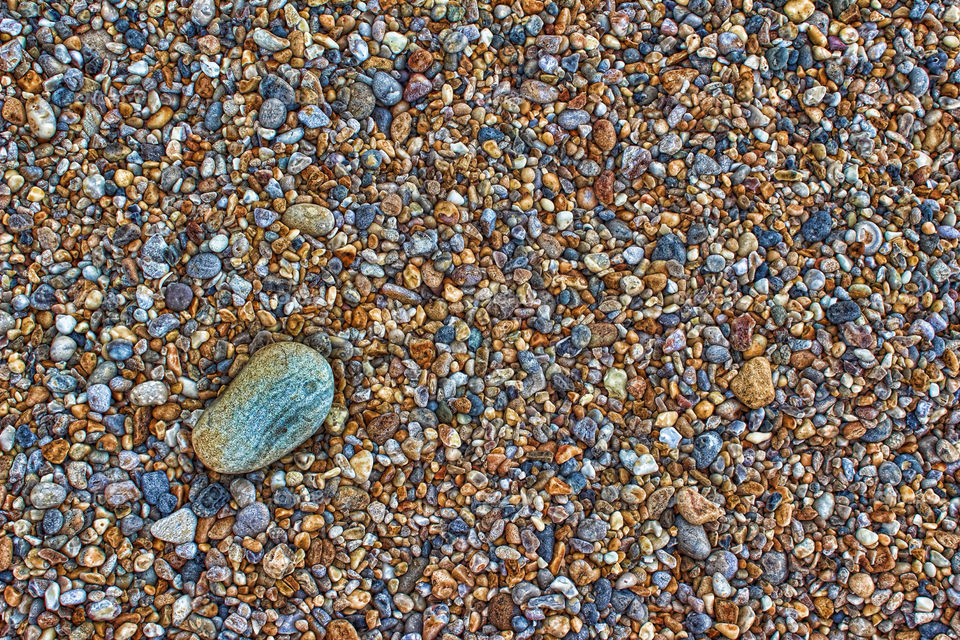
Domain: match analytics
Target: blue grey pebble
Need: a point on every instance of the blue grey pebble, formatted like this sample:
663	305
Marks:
313	117
43	297
722	562
62	97
716	354
52	521
252	519
489	133
592	529
212	118
843	311
547	540
24	437
774	565
817	227
706	448
585	430
167	503
273	86
263	218
154	484
919	81
364	216
602	593
715	263
933	629
698	623
386	88
178	296
580	336
692	540
162	325
61	382
570	119
99	397
889	472
210	500
204	265
272	114
73	79
670	247
131	524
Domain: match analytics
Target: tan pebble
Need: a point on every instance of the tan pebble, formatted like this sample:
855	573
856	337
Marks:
753	385
160	118
696	509
861	584
799	10
341	630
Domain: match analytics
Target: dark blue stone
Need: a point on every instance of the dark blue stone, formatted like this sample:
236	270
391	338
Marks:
878	434
817	227
210	500
489	133
706	448
474	340
621	599
661	579
203	266
669	320
698	623
843	311
777	58
577	482
154	484
62	96
167	503
933	629
25	438
446	334
52	521
273	86
585	430
364	216
458	526
547	539
670	247
135	39
519	624
722	562
590	614
192	570
768	238
211	119
572	63
602	593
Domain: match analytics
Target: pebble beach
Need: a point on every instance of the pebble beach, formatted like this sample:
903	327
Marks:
460	320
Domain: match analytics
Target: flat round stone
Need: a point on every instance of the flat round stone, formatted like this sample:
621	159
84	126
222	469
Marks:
203	266
277	401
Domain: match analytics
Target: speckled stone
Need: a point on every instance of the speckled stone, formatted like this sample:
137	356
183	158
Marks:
178	528
311	219
753	385
277	401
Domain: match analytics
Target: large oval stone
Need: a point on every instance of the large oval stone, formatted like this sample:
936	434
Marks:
312	219
277	401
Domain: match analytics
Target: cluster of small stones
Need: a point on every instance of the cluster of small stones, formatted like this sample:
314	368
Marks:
642	317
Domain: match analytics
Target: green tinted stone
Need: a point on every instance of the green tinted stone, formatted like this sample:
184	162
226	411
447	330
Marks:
277	401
